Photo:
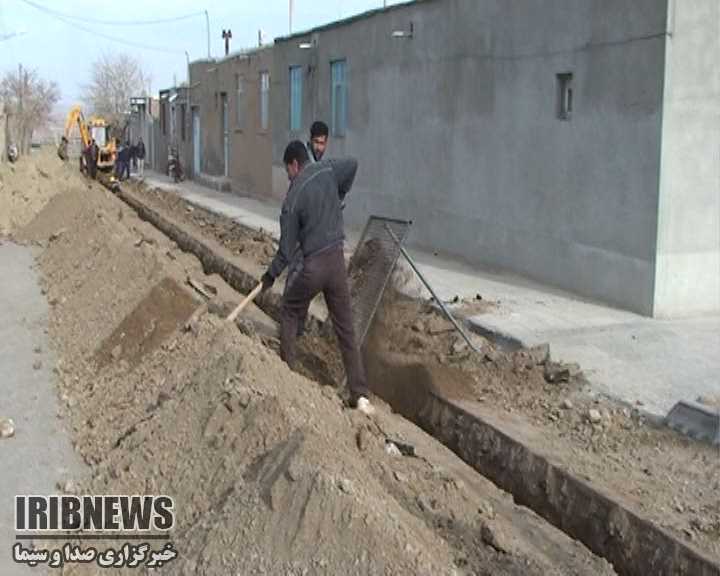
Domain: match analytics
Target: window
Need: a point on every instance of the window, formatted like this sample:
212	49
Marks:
338	97
264	100
295	98
564	96
239	101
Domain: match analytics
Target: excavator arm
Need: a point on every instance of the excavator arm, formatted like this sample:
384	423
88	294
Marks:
74	117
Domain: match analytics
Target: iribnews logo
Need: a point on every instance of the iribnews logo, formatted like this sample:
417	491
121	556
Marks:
92	513
81	518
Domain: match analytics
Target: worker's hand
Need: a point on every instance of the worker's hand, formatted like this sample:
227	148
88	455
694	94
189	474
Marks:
267	282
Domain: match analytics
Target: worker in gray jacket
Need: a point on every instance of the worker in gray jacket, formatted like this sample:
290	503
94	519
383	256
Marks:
312	217
319	134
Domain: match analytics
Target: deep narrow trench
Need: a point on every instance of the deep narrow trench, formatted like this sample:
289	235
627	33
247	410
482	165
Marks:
434	403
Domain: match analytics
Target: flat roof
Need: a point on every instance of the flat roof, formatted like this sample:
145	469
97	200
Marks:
349	20
232	55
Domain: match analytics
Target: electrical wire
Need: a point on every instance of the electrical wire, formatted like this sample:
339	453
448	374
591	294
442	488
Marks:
154	22
102	35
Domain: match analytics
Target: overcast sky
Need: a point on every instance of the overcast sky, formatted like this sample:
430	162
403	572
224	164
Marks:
64	52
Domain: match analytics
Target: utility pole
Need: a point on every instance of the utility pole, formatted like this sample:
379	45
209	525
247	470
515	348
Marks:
290	15
207	29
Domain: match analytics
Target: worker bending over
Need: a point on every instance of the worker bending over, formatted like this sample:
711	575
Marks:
312	217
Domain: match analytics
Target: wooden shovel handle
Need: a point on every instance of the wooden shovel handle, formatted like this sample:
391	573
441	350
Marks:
240	307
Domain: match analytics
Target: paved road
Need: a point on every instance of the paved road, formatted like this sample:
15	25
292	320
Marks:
627	356
40	455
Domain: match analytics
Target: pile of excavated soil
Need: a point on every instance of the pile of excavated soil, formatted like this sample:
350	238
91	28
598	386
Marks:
672	480
269	472
27	185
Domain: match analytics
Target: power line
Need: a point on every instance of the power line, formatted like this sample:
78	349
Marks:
52	12
102	35
12	35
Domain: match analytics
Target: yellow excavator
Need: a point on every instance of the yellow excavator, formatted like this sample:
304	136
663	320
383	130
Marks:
95	128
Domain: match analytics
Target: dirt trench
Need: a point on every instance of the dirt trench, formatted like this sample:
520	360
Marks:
270	472
669	481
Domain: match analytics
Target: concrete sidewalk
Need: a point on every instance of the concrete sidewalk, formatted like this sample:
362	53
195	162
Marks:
654	363
40	454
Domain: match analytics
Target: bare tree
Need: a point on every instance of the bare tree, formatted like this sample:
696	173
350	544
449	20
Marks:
28	100
114	80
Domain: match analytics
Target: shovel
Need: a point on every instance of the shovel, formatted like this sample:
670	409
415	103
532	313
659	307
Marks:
240	307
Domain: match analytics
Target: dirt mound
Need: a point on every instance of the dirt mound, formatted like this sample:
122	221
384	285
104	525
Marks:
166	307
269	472
26	186
260	483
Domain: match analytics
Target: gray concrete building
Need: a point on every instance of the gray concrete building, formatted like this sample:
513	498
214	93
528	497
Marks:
141	125
231	122
574	142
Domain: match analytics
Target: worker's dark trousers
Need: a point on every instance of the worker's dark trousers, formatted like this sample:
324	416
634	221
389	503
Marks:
294	270
324	272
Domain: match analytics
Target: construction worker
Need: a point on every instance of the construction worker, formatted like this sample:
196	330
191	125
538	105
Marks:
140	148
312	217
126	160
93	153
319	133
119	167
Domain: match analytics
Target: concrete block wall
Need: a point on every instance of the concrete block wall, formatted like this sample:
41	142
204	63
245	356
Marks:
249	167
457	128
687	277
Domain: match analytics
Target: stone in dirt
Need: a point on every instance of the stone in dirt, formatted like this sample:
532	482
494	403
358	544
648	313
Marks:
459	346
116	352
540	354
7	428
556	373
57	234
494	536
594	416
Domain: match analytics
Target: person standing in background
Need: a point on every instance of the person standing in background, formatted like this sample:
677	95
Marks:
140	154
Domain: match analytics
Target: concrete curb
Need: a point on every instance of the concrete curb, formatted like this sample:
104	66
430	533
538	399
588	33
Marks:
503	340
634	545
